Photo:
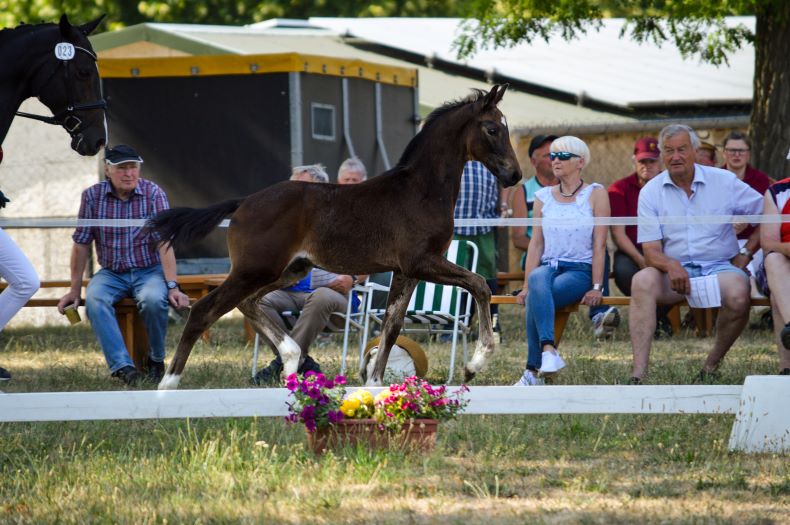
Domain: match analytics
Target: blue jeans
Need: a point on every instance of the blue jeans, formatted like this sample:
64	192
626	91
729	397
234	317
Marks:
551	288
147	287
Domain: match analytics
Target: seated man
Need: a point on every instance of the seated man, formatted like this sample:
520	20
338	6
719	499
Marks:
623	199
772	277
316	297
131	267
674	253
706	154
352	171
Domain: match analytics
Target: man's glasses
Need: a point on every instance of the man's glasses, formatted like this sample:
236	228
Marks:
736	151
562	155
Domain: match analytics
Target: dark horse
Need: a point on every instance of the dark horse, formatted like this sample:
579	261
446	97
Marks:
401	221
55	63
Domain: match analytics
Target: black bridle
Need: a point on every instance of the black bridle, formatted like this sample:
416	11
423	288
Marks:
67	118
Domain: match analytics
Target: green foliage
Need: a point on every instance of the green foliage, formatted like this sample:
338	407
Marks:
696	27
122	13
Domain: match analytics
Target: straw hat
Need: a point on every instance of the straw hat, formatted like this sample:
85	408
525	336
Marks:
412	348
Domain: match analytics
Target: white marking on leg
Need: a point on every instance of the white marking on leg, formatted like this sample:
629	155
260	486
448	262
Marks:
290	352
373	382
478	360
169	382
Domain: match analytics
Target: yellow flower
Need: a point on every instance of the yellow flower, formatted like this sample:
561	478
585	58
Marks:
366	397
384	394
350	404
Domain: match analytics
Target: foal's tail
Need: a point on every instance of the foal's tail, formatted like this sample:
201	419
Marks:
182	226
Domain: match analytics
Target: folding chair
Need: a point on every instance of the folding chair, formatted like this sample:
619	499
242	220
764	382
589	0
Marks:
433	308
353	321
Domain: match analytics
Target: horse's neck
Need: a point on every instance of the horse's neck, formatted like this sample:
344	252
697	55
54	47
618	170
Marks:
15	75
442	157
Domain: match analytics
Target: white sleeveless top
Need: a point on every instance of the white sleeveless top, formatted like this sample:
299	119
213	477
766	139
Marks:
567	242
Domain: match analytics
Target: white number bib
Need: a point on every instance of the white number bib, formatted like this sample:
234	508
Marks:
64	51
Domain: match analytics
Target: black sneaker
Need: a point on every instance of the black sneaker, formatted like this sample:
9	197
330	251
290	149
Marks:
129	375
156	370
785	372
635	381
5	375
269	375
786	336
309	365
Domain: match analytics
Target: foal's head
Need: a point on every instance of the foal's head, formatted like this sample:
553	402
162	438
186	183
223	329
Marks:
488	138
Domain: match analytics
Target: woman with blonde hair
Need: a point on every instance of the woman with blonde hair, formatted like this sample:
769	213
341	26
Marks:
565	261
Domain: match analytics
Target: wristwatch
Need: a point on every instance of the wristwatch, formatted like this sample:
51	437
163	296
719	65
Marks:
597	287
171	285
745	251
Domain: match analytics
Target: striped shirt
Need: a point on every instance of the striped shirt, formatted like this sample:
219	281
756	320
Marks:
477	199
120	248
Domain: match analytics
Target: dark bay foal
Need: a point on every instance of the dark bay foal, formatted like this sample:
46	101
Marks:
403	222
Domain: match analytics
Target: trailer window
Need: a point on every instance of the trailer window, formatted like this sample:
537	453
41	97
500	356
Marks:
323	121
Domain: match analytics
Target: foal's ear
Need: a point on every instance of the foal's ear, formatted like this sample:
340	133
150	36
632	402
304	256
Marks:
495	95
87	29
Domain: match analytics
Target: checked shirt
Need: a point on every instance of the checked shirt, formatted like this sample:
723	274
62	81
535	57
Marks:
477	199
120	248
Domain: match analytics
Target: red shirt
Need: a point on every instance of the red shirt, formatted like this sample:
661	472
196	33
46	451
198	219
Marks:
780	192
760	182
624	201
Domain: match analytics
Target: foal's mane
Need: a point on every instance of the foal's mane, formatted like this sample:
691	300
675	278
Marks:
434	116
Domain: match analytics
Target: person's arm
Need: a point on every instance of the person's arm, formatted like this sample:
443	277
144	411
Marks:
535	252
77	264
600	206
342	284
176	297
770	234
518	234
678	276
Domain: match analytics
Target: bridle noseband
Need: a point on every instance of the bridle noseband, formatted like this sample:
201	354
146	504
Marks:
67	118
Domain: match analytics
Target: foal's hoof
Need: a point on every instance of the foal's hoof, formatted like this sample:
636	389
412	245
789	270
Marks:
468	375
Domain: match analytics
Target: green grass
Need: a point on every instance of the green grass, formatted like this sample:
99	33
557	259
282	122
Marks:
485	469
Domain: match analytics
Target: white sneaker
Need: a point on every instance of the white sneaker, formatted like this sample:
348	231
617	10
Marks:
528	379
604	323
551	363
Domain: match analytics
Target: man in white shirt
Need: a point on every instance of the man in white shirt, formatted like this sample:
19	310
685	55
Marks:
675	253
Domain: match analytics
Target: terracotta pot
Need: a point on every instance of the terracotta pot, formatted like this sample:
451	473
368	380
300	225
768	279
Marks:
419	434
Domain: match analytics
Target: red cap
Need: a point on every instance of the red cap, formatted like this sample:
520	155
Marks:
646	148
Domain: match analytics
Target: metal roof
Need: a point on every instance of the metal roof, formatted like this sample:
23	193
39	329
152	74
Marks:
287	36
601	65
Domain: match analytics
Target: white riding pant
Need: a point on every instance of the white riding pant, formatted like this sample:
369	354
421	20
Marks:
20	275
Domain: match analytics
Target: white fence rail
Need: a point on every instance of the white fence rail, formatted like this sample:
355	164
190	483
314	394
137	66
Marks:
760	406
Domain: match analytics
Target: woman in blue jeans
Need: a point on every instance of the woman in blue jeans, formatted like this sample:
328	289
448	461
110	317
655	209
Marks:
565	261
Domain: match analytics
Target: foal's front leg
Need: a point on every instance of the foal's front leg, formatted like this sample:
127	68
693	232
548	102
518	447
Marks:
397	302
439	270
289	350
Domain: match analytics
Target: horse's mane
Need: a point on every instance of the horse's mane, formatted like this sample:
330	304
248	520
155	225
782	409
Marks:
437	114
23	27
447	107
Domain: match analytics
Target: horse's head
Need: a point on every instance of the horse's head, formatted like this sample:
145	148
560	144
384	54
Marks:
68	83
489	140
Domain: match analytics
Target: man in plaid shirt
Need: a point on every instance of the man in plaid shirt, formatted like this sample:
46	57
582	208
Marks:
131	267
479	198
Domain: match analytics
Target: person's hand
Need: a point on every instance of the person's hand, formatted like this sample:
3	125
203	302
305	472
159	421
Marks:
3	200
341	284
739	227
177	299
679	279
641	262
741	261
70	298
521	298
592	298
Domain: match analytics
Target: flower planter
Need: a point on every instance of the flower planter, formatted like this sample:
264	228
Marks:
419	434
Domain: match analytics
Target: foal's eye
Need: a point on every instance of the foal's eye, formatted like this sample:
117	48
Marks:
491	130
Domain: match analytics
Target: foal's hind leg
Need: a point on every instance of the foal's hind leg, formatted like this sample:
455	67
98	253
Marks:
397	302
289	350
204	313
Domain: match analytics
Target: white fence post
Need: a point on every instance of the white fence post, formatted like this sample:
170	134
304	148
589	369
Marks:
762	423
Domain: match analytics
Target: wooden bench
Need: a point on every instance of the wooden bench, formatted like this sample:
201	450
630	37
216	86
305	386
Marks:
562	314
129	320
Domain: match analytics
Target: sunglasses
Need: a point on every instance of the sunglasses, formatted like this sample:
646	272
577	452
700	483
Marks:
562	155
